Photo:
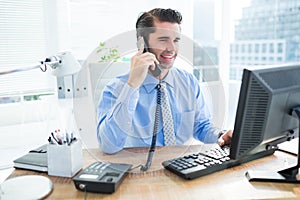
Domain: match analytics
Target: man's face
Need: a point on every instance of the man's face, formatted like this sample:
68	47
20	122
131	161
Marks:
164	43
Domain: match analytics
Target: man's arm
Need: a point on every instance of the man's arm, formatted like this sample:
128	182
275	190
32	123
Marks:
116	109
205	131
115	113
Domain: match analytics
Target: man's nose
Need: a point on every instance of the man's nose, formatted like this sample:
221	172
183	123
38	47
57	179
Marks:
171	46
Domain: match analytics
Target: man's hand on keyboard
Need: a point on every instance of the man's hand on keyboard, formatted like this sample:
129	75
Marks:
225	138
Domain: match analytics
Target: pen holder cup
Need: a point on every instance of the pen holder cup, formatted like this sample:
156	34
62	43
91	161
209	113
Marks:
64	160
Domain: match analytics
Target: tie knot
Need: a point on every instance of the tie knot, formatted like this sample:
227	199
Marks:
163	85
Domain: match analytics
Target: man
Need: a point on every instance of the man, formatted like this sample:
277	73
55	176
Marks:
126	112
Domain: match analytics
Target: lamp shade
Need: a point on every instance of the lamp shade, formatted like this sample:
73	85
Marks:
68	65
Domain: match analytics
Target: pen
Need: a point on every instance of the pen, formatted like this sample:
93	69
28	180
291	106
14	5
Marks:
50	140
72	138
56	140
67	138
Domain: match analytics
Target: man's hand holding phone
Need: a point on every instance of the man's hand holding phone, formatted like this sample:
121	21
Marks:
155	71
139	66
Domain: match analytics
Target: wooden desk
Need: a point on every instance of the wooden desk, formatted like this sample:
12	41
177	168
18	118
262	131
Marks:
158	183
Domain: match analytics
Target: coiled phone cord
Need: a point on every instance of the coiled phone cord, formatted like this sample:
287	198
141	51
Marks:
155	129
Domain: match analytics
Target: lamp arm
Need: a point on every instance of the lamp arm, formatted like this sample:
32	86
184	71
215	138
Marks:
64	66
24	69
53	62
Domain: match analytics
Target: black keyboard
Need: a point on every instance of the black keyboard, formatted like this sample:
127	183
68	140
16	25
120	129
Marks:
211	158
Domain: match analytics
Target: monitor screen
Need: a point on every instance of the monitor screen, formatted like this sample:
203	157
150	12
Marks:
263	117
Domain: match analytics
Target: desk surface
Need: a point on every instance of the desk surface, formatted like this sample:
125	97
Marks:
158	183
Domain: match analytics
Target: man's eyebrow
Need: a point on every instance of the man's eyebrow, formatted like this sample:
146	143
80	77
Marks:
163	37
167	37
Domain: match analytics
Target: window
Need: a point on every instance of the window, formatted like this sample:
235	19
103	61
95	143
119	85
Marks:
233	73
243	48
264	48
23	42
256	48
236	48
249	48
231	48
279	48
271	48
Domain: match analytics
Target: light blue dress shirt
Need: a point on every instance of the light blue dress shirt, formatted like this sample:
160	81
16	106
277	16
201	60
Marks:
126	115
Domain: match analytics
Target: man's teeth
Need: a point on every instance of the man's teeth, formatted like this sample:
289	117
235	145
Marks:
168	56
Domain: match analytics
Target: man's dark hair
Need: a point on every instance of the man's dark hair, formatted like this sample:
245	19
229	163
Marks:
145	23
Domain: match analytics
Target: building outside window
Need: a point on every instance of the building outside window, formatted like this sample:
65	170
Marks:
271	48
256	48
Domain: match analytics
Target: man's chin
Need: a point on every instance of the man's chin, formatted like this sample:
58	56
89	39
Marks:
166	65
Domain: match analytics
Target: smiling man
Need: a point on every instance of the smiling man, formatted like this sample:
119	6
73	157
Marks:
127	109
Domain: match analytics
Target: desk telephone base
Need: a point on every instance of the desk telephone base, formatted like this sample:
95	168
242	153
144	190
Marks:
101	177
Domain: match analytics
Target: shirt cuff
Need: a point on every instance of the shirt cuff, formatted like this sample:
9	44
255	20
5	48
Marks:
222	132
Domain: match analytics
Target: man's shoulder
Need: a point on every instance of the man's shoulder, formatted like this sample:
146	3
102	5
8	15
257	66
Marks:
182	72
122	77
117	81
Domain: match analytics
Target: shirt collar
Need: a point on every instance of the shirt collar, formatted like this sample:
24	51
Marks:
150	82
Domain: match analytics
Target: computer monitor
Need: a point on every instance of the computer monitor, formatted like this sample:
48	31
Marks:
264	115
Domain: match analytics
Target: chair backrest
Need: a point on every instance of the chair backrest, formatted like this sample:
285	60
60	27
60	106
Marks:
101	74
90	83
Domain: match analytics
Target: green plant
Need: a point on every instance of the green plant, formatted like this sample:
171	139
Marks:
108	54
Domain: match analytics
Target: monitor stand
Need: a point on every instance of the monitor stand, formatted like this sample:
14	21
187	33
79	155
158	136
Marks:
290	175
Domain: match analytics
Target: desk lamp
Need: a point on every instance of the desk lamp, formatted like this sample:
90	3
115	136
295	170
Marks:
65	67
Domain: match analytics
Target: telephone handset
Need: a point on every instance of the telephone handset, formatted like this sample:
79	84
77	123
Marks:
157	71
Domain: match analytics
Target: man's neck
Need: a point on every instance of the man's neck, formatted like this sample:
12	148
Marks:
164	73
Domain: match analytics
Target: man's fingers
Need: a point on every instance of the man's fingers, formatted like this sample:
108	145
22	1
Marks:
141	50
221	142
225	138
